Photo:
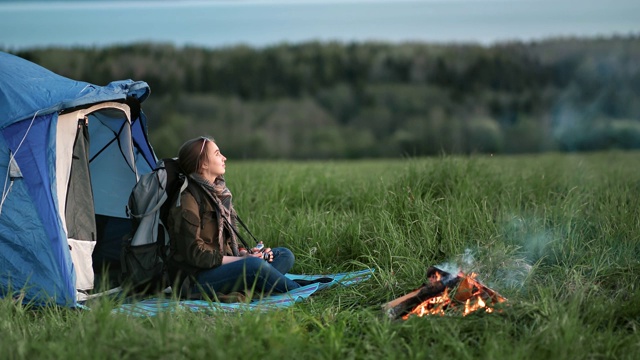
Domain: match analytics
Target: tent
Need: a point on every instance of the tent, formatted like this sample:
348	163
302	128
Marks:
70	153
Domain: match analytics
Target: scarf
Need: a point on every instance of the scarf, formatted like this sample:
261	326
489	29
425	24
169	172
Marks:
221	196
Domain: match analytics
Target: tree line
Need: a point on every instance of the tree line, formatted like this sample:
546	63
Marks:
321	100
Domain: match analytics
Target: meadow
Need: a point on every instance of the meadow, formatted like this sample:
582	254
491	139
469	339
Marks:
556	234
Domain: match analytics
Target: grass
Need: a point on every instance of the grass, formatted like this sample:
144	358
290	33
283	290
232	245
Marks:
556	234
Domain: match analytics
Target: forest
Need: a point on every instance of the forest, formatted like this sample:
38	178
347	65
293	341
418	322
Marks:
330	100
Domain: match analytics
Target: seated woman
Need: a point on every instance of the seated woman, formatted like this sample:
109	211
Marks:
204	247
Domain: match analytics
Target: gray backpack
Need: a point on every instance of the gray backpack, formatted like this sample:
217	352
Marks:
145	252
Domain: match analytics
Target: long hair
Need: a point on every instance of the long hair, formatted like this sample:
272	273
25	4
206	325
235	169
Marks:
193	154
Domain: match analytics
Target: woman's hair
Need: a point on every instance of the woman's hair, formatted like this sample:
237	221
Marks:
193	154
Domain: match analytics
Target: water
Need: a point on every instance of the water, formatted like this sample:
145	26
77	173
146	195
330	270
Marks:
263	23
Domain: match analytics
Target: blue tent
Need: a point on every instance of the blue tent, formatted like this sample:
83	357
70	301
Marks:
70	153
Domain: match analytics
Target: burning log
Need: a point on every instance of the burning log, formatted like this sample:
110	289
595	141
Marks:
444	291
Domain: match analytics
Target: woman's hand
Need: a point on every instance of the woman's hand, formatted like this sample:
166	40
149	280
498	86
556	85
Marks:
245	253
265	253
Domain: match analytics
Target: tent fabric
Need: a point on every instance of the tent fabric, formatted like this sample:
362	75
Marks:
110	144
49	200
27	88
37	173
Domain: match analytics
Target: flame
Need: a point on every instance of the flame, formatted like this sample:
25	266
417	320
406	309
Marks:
469	292
432	306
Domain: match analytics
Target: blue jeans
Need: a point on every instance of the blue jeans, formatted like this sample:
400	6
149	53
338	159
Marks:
249	273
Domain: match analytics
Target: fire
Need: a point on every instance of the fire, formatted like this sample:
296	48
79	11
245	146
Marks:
469	295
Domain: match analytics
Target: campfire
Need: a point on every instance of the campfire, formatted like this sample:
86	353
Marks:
445	293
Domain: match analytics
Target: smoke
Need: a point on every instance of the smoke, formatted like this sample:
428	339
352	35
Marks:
512	274
532	240
507	264
498	269
579	125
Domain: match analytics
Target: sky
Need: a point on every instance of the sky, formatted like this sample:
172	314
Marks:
259	23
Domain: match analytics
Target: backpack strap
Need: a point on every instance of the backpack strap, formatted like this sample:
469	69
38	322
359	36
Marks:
197	193
184	185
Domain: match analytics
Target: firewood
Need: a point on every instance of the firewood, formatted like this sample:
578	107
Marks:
463	288
397	308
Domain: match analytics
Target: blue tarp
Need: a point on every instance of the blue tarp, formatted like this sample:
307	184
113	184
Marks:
153	306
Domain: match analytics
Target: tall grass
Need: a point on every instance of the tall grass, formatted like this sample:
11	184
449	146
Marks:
556	234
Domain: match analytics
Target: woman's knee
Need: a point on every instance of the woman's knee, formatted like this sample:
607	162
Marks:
284	253
283	259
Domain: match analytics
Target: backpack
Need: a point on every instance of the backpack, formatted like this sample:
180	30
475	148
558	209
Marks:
145	251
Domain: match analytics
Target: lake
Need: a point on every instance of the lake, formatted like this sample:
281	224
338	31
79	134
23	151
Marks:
262	23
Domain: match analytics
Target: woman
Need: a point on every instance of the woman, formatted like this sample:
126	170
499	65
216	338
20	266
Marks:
204	247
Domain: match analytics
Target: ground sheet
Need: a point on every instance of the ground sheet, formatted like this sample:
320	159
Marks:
153	306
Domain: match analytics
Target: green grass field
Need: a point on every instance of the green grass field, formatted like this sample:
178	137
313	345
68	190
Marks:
558	235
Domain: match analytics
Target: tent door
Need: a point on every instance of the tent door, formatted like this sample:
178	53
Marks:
79	211
76	204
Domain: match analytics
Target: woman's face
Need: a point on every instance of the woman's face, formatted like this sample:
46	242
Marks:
215	166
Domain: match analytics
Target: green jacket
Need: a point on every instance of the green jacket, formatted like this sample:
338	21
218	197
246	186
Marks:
194	234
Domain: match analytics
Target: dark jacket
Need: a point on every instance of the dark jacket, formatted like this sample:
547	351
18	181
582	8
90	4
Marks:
193	230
